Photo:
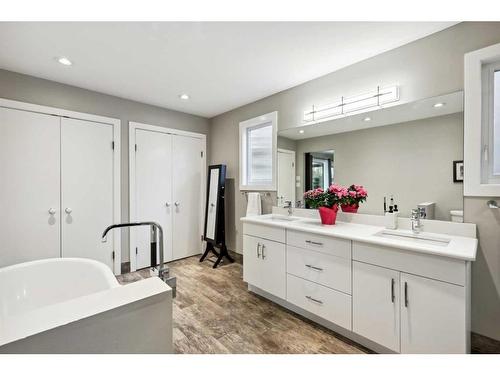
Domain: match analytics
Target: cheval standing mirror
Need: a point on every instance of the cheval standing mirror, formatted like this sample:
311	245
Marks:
214	233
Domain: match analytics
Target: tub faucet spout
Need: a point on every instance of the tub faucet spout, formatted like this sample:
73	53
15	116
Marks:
156	231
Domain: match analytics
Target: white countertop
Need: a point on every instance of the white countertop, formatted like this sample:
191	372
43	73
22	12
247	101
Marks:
463	248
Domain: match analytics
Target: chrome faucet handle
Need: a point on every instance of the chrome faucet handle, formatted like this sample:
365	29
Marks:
415	213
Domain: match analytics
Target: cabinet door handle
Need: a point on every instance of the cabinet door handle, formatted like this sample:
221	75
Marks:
68	210
314	300
263	253
393	296
406	294
258	250
314	268
314	243
52	211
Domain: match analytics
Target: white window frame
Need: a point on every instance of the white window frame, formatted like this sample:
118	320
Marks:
476	123
271	117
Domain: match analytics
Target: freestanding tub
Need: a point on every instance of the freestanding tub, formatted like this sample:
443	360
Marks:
73	305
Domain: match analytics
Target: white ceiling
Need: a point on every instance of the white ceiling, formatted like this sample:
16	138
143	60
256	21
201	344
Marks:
220	65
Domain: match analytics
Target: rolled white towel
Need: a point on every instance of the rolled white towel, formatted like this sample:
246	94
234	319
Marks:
254	205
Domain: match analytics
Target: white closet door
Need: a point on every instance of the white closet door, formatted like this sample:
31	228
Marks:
286	177
186	178
153	182
29	186
87	189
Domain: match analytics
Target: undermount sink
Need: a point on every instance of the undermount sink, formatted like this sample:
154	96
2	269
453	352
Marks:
414	238
282	218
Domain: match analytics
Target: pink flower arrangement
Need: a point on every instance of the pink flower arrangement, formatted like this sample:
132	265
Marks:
315	198
338	191
356	194
335	195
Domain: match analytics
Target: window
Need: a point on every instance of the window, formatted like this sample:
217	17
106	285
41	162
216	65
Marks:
490	171
258	140
482	122
496	123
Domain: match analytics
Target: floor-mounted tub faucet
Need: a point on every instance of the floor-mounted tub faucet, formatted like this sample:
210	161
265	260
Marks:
156	229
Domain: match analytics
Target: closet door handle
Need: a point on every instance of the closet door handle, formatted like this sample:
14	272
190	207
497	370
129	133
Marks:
68	210
258	250
167	204
393	296
52	211
263	253
406	294
177	204
212	205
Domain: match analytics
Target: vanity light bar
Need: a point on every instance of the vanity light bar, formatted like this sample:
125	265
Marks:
358	104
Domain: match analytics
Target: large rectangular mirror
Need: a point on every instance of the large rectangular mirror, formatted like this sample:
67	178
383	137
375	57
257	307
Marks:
412	152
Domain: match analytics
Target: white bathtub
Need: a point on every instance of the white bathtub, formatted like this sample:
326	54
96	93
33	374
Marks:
28	286
73	305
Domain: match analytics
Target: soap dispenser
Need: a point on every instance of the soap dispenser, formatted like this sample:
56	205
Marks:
391	217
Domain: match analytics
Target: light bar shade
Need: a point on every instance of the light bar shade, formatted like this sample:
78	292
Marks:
356	104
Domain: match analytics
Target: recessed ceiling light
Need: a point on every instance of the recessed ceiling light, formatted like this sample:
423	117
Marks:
184	96
301	131
64	61
438	105
367	119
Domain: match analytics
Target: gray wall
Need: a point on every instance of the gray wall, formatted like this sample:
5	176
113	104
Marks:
43	92
402	159
425	68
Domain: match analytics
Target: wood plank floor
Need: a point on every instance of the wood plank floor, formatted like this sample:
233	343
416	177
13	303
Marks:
215	313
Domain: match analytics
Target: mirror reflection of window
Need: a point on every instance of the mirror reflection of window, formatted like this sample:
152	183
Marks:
321	169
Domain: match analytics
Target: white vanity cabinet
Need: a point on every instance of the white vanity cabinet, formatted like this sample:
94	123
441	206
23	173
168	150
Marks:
375	306
433	316
387	298
265	262
405	312
319	276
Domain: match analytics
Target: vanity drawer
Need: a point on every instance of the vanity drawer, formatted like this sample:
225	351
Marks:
328	270
427	265
264	231
324	244
324	302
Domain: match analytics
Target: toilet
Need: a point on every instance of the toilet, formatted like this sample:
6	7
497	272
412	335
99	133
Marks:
457	216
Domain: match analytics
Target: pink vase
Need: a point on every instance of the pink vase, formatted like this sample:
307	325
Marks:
351	208
328	215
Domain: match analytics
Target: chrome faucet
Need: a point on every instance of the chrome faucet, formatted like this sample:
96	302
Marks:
163	271
288	204
416	225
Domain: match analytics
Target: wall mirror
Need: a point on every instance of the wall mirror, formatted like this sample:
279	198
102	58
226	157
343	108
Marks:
410	151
